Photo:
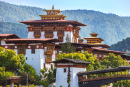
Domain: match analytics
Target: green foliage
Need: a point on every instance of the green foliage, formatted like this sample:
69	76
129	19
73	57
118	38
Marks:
123	46
33	78
113	61
110	61
15	13
4	75
10	60
112	28
48	76
66	47
95	64
12	64
124	83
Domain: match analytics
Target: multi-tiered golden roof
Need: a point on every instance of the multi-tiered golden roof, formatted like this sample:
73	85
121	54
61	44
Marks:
52	14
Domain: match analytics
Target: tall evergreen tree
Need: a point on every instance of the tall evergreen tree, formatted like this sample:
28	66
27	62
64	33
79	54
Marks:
67	47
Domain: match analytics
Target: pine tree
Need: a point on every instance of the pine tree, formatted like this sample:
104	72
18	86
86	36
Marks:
66	47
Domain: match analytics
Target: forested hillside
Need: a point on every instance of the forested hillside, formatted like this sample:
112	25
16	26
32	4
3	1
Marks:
16	28
112	28
123	45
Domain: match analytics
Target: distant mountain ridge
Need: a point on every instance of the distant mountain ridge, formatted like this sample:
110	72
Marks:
15	28
123	46
110	27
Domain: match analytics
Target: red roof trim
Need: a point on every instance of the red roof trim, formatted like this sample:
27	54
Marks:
7	35
32	39
49	21
99	49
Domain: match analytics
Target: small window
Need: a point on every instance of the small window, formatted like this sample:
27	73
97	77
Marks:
64	70
33	49
11	47
21	49
44	65
37	32
26	58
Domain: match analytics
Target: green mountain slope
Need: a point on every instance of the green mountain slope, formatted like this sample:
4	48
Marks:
123	45
112	28
15	28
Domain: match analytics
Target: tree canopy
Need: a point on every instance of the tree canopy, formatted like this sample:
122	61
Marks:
67	47
10	60
123	46
12	64
110	61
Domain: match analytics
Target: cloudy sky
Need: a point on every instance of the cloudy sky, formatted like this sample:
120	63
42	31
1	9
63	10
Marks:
119	7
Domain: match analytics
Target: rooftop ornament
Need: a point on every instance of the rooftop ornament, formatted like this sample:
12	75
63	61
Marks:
52	7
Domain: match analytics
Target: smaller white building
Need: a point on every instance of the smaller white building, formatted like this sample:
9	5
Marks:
66	66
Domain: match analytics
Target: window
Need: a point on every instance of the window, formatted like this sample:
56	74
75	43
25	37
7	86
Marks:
11	47
50	49
48	58
64	70
33	49
48	32
60	38
37	32
60	32
44	65
21	49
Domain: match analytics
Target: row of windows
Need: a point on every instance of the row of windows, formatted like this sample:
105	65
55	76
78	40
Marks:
48	32
22	49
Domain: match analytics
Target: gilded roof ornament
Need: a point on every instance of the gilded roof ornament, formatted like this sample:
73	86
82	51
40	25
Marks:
52	7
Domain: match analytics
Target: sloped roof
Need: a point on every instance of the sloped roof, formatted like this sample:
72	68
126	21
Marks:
8	35
32	40
105	50
120	68
67	60
53	21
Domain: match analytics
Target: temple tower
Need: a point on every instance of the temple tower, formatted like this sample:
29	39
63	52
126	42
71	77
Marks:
53	25
94	39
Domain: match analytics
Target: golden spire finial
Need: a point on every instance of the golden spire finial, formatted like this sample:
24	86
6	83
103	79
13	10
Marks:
52	7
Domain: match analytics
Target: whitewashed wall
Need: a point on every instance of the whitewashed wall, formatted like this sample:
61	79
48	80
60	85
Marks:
61	76
55	34
70	36
42	34
30	34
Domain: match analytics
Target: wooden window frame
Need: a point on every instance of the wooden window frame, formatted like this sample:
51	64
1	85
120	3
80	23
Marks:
48	32
64	70
33	49
37	32
12	47
60	38
22	49
60	32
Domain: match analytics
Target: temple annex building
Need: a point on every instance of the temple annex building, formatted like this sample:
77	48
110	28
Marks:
46	36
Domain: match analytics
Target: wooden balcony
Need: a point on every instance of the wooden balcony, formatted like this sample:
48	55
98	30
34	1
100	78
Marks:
37	36
21	52
49	52
60	34
48	60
